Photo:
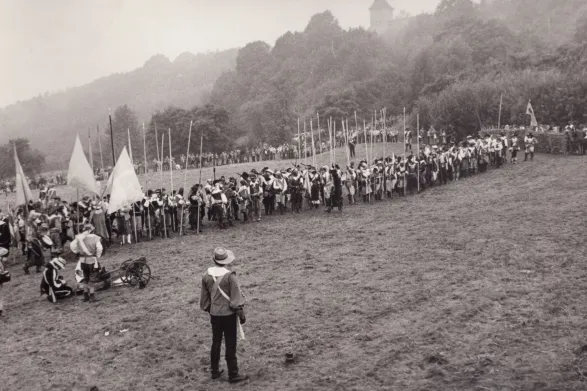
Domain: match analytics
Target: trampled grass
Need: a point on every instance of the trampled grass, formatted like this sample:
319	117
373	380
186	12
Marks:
478	285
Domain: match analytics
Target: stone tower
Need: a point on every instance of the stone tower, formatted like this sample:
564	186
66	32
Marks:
381	16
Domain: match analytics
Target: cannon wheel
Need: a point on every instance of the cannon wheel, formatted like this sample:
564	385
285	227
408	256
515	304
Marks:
124	267
137	273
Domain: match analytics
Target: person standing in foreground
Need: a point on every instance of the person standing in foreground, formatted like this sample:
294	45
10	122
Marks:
222	299
89	248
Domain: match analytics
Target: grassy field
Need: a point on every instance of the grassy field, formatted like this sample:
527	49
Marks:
479	285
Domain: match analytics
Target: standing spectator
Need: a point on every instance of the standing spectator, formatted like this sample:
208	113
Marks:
222	299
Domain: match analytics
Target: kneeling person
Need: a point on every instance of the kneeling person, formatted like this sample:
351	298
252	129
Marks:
53	285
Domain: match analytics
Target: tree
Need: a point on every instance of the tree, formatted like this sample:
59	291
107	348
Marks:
31	160
123	121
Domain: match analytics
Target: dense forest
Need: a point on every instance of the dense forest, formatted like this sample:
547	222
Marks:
51	121
452	66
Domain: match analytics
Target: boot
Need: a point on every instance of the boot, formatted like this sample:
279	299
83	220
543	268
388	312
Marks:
217	374
26	270
86	296
237	378
92	298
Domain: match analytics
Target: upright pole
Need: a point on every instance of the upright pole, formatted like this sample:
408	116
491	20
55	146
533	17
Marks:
499	117
185	178
112	139
418	148
299	157
313	144
319	136
333	142
305	144
132	206
90	149
200	182
100	146
366	141
372	131
170	162
163	208
145	149
405	163
159	160
130	147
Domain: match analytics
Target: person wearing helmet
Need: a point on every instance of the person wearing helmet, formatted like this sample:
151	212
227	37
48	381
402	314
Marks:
53	285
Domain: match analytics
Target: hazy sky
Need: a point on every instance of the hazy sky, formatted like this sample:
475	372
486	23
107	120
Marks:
49	45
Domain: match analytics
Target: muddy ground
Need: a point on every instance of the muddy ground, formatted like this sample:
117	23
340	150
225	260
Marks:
478	285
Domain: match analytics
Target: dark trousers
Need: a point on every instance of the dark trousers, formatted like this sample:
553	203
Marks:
224	326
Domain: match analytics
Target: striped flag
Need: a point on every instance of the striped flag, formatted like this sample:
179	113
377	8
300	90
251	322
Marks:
530	112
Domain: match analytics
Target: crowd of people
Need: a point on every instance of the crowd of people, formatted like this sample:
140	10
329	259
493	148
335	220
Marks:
41	229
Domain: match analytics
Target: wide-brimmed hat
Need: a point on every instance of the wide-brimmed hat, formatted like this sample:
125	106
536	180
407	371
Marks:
88	227
46	241
58	263
269	171
223	256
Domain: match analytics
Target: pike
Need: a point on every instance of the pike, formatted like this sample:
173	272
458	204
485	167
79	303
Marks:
100	146
299	142
90	149
147	181
112	139
171	179
163	211
404	150
319	136
418	146
305	143
200	181
366	139
132	207
185	178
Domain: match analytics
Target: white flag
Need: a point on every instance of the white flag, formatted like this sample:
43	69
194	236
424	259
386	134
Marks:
126	188
80	174
23	191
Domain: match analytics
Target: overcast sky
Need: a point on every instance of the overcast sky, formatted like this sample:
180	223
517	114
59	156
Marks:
49	45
